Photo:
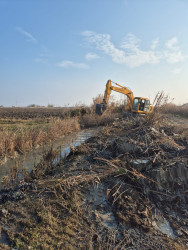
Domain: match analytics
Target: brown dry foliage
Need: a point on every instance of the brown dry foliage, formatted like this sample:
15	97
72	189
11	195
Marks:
176	109
26	113
93	120
23	140
160	100
113	106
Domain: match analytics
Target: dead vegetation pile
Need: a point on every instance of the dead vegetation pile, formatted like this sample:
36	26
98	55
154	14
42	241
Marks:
124	188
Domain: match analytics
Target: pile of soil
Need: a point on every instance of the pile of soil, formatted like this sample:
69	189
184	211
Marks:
125	188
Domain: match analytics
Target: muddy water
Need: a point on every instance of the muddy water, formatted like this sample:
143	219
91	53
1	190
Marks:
97	205
162	224
32	158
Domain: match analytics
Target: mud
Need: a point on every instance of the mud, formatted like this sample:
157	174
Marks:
125	188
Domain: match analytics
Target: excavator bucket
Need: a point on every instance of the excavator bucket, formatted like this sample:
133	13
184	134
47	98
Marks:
100	108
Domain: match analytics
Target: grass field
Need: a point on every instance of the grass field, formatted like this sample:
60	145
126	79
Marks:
22	129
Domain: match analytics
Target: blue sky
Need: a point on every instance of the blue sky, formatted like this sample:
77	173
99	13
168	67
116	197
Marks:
62	52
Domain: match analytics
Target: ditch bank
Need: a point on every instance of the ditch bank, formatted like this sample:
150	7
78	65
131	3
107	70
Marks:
125	187
62	147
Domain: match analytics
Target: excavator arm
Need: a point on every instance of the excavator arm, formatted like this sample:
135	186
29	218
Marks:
100	108
137	105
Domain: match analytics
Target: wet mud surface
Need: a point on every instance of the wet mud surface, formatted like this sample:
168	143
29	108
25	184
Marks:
125	188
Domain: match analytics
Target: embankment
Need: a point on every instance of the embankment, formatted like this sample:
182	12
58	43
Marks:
124	188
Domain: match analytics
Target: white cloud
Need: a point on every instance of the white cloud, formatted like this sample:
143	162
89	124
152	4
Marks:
134	56
130	52
91	56
102	42
154	43
173	52
176	71
130	42
171	43
70	64
30	38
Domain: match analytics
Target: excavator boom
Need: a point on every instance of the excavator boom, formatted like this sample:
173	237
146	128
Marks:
135	105
120	89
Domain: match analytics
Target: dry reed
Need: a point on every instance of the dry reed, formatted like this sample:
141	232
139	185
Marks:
23	140
176	109
159	102
93	120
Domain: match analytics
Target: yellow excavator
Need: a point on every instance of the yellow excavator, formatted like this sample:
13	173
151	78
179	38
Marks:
136	105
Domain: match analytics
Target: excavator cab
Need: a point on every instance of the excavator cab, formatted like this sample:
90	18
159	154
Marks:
141	105
135	104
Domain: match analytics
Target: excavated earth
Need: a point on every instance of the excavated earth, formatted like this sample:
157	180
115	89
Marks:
125	188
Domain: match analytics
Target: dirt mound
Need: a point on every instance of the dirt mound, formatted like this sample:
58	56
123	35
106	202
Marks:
124	188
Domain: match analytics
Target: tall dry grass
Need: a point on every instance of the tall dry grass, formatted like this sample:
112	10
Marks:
176	109
113	106
93	120
163	104
96	100
160	100
23	140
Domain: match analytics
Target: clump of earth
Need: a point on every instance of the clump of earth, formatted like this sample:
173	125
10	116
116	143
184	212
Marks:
125	188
